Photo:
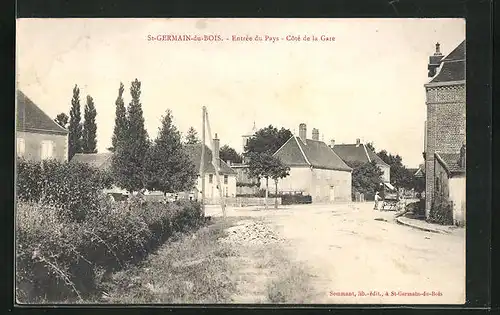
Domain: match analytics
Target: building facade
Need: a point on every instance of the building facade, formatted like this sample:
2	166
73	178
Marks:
315	170
359	152
445	128
38	137
227	175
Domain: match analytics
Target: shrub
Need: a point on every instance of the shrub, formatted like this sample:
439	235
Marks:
73	188
441	211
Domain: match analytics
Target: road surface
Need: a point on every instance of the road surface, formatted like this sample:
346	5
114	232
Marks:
357	255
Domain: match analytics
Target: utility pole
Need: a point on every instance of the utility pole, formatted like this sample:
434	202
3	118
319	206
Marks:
202	162
216	164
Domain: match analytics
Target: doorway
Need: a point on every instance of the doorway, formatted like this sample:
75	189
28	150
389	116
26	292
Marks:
332	193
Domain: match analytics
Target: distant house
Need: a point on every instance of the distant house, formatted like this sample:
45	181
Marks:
227	175
445	135
245	185
39	137
315	169
359	152
100	161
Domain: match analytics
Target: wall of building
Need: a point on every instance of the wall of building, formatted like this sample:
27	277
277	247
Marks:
457	194
211	191
33	145
386	177
446	120
321	185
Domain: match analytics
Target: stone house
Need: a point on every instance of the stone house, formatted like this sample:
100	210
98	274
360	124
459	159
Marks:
359	152
315	169
38	137
226	173
445	138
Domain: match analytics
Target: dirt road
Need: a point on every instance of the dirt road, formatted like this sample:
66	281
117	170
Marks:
357	255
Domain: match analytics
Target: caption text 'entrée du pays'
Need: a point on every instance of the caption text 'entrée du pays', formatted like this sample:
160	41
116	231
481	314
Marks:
237	38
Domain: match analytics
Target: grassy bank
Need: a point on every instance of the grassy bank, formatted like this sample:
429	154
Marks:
199	268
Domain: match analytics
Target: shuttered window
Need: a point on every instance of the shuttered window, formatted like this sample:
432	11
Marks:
20	147
47	150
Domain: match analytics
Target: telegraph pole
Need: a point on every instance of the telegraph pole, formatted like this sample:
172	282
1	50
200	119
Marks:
216	164
202	162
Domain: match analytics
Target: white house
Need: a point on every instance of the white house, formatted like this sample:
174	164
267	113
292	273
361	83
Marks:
315	169
227	175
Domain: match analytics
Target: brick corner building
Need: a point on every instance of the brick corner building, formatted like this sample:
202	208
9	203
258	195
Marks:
444	144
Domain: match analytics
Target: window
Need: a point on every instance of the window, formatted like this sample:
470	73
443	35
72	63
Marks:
227	192
20	147
47	151
210	178
225	179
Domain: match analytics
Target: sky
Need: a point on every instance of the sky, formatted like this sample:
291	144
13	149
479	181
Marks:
368	83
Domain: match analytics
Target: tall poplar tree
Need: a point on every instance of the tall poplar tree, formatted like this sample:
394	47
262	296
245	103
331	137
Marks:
75	125
128	160
120	130
89	134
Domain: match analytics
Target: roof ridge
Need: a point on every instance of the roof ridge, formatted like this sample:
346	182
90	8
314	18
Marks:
366	152
30	101
302	151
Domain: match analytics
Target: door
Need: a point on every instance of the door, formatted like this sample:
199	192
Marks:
332	193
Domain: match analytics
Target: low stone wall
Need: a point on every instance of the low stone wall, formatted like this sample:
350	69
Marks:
243	201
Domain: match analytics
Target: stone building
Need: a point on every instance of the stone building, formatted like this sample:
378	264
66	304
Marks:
38	137
315	169
444	144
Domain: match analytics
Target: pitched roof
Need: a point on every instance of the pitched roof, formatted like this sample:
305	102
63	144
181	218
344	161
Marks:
31	118
313	153
452	66
194	152
359	153
450	162
97	160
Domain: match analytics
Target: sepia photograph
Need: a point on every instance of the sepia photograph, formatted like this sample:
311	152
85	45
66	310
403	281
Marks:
240	161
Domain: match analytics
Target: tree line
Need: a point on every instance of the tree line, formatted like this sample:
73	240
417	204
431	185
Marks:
82	136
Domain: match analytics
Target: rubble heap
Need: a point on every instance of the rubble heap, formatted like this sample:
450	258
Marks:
249	232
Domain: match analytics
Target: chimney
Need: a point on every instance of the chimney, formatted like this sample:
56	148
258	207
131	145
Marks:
332	143
302	132
216	151
434	61
228	162
358	142
315	134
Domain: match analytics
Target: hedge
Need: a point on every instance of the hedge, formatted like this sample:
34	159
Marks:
73	188
60	260
69	235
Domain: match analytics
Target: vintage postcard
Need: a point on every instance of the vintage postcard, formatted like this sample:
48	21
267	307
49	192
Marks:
240	161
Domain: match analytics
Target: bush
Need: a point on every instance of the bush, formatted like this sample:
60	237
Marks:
73	188
441	211
59	258
295	199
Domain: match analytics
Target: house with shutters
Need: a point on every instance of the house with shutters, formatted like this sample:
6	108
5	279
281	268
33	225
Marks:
315	169
444	144
38	137
359	152
226	173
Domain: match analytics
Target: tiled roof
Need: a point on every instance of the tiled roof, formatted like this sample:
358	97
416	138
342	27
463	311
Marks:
453	66
97	160
194	152
31	118
313	153
353	152
450	161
